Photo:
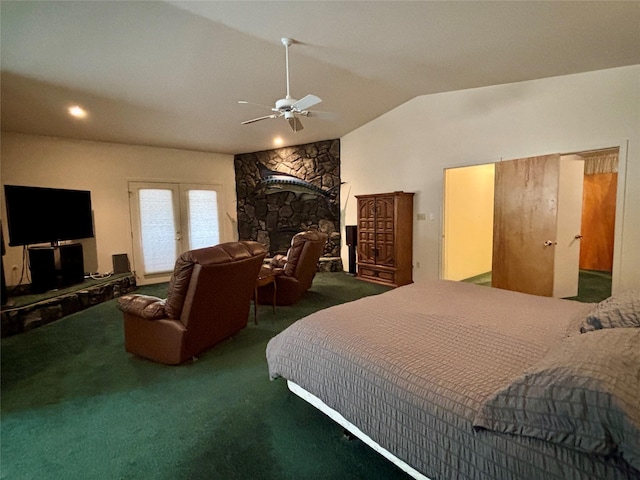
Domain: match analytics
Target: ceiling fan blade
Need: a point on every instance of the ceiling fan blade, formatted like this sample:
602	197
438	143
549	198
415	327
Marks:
244	102
295	124
321	115
258	119
306	102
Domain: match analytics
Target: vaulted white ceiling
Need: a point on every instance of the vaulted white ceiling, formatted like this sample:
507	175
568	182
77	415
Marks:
171	73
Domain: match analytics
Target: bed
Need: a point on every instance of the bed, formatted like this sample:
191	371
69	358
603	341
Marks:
455	380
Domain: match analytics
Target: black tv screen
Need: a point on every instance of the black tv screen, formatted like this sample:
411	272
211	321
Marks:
47	215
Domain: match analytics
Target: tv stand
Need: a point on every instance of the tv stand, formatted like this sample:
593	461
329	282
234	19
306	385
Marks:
55	266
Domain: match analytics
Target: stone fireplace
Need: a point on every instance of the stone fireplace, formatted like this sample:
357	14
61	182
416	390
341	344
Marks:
288	190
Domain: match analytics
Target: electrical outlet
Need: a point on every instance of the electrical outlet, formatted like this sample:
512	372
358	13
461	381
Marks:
422	216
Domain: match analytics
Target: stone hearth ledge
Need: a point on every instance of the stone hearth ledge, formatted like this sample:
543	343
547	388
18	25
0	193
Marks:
24	318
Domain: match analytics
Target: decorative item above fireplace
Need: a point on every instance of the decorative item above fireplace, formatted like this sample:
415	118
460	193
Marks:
284	191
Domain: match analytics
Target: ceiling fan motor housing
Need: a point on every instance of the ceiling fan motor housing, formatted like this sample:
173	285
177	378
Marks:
284	104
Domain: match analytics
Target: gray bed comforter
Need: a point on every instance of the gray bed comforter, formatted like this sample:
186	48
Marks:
413	367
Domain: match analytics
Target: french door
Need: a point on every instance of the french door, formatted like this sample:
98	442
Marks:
169	219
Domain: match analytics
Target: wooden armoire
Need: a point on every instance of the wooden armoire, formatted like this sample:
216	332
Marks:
385	238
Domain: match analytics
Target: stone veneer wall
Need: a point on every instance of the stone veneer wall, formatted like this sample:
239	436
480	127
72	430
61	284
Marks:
272	214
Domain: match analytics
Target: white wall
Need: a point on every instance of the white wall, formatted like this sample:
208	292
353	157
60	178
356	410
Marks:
408	148
105	169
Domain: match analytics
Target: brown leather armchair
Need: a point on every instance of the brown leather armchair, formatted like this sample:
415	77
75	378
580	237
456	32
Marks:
208	300
294	271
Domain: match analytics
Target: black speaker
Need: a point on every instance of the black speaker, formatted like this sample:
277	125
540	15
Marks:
351	232
42	263
55	267
120	263
71	264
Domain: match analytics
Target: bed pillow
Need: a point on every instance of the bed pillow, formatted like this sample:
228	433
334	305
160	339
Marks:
620	310
582	395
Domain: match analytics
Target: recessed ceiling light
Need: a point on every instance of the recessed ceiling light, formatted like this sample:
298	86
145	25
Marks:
77	111
278	141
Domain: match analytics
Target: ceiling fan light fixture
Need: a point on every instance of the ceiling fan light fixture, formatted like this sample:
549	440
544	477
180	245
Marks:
294	123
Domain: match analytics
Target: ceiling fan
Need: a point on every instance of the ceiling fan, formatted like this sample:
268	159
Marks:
288	107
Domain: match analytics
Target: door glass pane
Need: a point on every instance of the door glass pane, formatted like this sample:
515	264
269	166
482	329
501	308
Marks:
204	230
158	230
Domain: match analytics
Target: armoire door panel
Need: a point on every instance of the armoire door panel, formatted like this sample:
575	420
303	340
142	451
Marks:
366	249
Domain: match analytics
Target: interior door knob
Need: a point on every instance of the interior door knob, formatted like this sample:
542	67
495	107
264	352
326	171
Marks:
549	243
578	237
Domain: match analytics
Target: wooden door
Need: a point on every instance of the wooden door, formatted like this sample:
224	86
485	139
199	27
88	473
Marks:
528	254
598	221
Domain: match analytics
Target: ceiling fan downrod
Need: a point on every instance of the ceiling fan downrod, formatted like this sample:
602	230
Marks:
287	43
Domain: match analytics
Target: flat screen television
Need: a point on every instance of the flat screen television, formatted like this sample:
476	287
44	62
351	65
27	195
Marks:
47	215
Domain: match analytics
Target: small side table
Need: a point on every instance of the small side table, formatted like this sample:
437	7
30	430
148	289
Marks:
263	280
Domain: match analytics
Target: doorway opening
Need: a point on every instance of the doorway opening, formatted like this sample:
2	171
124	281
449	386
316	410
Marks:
468	218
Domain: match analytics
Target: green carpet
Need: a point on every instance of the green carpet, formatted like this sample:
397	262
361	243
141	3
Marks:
75	405
593	286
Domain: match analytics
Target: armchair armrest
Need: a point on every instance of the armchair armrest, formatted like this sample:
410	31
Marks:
270	270
278	261
144	306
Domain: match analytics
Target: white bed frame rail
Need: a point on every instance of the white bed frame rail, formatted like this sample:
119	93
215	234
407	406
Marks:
339	419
